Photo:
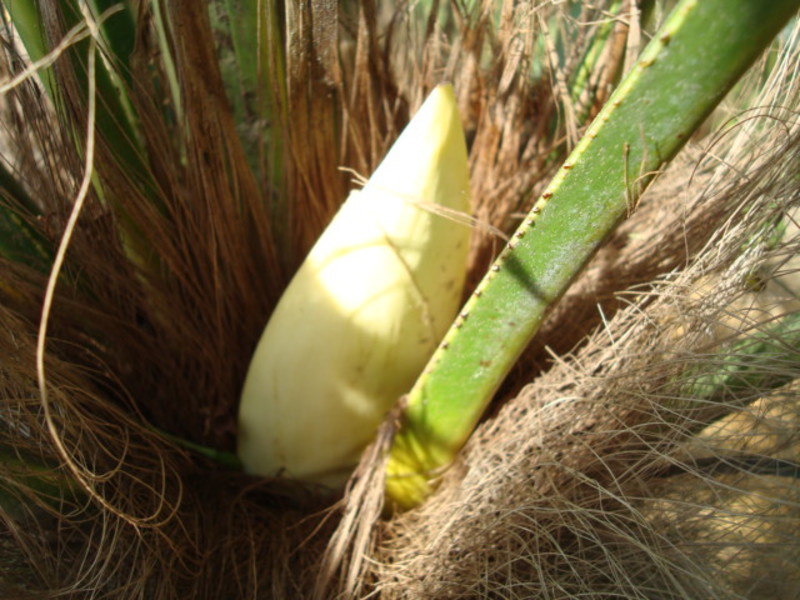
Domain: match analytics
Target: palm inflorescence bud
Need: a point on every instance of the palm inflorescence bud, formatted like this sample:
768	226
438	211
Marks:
366	309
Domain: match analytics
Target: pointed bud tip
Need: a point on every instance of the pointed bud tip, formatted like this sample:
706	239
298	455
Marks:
430	149
441	102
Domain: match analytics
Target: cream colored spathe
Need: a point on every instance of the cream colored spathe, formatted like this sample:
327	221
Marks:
365	310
